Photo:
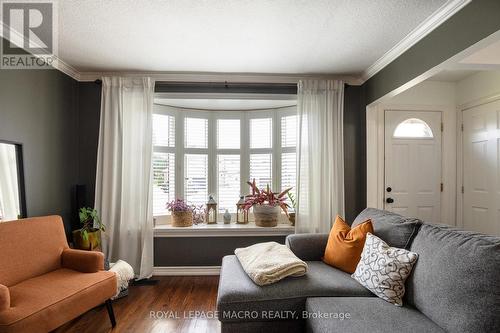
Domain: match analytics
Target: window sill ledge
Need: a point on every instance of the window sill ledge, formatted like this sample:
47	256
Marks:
223	230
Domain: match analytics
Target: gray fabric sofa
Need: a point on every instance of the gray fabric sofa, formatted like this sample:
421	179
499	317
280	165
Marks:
454	287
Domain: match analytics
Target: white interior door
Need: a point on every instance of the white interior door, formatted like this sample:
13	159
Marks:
481	168
413	164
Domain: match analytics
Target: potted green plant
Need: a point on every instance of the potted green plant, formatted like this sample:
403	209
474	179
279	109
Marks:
266	205
88	237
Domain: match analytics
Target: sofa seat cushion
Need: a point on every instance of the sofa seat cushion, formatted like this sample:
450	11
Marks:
45	302
364	314
239	294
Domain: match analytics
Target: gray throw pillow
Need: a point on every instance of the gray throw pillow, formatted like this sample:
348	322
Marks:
383	269
394	229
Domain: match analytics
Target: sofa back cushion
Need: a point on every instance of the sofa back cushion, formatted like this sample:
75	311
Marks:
456	280
30	247
394	229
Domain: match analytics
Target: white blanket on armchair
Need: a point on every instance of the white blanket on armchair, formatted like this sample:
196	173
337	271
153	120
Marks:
266	263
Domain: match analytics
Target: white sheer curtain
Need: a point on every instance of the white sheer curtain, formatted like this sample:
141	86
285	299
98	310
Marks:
124	178
320	169
9	187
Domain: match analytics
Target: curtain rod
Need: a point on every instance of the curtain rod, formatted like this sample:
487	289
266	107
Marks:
226	87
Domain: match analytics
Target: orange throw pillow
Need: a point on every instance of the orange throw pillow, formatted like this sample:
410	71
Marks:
345	245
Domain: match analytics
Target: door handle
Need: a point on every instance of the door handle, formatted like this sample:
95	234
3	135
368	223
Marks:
389	200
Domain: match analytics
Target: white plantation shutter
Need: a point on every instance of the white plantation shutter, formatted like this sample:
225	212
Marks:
261	133
163	162
288	170
289	131
228	182
163	130
163	182
261	153
196	178
261	169
288	153
196	133
228	134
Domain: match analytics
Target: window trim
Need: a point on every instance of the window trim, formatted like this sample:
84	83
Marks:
212	151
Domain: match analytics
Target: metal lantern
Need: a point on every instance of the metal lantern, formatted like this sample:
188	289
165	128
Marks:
241	212
211	217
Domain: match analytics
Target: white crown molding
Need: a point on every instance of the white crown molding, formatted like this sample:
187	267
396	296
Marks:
186	270
432	22
18	39
67	69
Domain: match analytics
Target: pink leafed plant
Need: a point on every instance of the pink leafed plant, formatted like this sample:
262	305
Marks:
266	197
180	205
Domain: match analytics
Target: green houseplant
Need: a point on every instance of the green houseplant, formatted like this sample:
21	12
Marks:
88	237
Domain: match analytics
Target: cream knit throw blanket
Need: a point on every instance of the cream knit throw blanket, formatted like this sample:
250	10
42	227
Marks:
266	263
124	273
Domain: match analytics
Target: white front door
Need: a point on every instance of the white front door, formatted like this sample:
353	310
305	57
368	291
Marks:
413	164
481	167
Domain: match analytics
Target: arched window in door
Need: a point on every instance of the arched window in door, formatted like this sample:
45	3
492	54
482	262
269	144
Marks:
413	128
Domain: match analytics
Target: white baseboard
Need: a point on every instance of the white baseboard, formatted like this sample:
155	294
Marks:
186	270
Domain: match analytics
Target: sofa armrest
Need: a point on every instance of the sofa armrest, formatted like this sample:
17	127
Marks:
308	247
83	261
4	298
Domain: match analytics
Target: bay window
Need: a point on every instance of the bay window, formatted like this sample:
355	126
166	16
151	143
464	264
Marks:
198	153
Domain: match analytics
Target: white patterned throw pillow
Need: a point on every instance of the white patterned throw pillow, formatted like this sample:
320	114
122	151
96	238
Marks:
383	269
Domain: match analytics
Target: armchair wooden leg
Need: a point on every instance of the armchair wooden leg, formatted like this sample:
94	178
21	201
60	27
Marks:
109	307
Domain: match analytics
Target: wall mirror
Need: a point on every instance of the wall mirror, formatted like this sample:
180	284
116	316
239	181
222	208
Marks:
12	194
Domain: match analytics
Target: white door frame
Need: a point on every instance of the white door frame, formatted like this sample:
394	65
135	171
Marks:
460	152
375	155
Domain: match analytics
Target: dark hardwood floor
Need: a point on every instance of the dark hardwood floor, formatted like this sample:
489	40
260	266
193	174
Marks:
174	304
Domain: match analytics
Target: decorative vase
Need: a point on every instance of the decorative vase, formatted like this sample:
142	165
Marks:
182	219
266	215
93	242
227	217
291	218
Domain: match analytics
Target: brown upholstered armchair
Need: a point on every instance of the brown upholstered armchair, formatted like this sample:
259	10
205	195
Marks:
44	283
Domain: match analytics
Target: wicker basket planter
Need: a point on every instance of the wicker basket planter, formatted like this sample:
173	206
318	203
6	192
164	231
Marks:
182	219
266	216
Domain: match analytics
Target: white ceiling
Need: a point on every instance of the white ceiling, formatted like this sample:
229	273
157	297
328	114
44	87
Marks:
452	75
490	55
240	36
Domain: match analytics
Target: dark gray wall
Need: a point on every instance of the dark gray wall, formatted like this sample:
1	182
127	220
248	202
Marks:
474	22
201	251
354	151
89	110
37	109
